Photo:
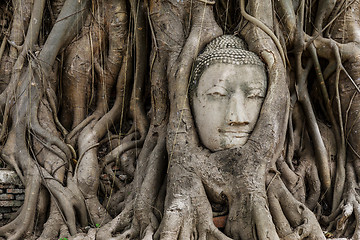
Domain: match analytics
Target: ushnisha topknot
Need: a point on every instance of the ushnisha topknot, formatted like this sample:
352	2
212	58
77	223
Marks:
224	49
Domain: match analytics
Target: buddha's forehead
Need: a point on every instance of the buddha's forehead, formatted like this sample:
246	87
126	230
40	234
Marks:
230	75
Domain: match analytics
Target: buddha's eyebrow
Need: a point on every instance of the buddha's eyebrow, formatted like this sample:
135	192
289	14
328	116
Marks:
221	82
257	85
217	85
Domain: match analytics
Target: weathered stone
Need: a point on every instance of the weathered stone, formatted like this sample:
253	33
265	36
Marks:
15	190
8	215
5	210
6	186
9	177
5	196
216	73
12	203
15	209
20	197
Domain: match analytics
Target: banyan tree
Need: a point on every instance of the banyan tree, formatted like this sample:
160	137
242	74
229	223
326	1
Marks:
182	119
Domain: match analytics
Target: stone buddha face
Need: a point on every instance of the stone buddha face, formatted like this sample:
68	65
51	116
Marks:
227	100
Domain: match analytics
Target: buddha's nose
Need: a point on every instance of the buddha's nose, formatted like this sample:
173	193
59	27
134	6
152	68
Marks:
236	114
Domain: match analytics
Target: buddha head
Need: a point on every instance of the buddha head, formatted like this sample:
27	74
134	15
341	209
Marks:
227	89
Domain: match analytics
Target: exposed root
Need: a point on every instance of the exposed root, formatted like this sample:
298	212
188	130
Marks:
263	27
127	144
69	200
76	79
119	223
53	224
189	217
344	220
291	224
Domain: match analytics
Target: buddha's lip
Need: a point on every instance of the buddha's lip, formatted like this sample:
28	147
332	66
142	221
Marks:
231	131
235	134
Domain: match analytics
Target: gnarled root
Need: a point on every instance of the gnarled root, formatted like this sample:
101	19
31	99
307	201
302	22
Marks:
87	175
249	217
344	221
188	213
293	220
119	223
54	223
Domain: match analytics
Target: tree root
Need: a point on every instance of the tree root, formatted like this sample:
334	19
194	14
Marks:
292	218
188	217
344	220
119	223
69	200
76	79
137	109
263	27
127	144
87	175
303	181
53	224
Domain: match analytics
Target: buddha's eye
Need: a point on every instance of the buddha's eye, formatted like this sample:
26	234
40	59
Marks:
217	91
256	93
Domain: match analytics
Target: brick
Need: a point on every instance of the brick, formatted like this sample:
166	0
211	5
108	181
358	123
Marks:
5	196
20	197
5	210
12	203
220	221
8	215
15	190
15	209
6	186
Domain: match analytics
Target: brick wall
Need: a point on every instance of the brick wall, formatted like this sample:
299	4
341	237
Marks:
11	195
